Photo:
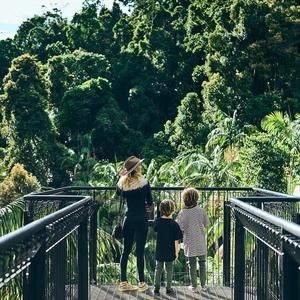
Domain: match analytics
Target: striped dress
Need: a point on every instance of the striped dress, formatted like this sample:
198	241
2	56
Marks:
192	222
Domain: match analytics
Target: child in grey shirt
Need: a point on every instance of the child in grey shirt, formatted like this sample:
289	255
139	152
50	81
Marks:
193	220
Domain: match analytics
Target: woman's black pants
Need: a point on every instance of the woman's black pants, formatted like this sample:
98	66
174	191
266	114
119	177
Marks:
134	229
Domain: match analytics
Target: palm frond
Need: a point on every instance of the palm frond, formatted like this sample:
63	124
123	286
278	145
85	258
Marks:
12	216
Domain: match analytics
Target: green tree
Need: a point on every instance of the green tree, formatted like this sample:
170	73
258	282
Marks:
187	130
228	135
263	162
153	72
8	51
70	70
251	57
287	133
91	109
91	29
37	33
28	128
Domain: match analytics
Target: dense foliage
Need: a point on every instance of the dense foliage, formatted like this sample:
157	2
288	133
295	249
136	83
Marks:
206	91
184	84
17	184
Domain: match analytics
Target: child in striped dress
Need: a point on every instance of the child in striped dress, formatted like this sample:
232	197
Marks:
193	220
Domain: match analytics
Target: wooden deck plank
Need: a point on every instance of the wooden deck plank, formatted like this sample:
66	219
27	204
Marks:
110	292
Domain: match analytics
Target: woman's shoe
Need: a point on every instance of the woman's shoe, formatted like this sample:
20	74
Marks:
156	293
125	286
143	286
194	289
171	292
204	288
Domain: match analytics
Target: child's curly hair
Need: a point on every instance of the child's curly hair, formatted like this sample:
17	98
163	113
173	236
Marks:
166	207
190	197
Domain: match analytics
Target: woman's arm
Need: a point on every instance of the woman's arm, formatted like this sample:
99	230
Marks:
149	199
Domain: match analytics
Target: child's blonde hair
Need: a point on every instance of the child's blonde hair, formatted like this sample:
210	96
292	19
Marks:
190	197
166	207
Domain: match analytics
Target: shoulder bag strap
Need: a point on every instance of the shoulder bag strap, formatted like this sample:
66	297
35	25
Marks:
121	206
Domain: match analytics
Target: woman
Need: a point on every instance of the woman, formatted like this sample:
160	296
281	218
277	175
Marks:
135	189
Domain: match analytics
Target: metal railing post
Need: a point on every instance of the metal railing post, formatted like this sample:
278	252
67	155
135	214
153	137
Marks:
290	278
226	244
93	246
83	261
239	261
58	263
262	269
291	272
25	283
37	275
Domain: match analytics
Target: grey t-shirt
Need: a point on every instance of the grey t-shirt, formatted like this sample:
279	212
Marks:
192	222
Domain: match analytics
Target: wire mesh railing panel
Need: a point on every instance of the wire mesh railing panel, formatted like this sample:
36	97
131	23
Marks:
267	254
289	211
62	268
262	274
39	209
15	260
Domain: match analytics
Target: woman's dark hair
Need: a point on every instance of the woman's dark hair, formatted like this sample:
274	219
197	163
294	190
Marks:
166	207
190	197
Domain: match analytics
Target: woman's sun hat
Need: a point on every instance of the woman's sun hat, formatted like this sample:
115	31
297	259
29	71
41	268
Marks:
130	164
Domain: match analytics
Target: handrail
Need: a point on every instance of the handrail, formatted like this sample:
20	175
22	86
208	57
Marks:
286	225
154	188
55	197
268	192
51	192
269	199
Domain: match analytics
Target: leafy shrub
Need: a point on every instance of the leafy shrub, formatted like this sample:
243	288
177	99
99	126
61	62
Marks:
18	183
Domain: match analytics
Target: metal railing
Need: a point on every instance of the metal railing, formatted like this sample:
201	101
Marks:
68	234
48	258
266	247
211	199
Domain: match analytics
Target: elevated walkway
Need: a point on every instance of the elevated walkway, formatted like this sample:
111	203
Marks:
110	292
64	249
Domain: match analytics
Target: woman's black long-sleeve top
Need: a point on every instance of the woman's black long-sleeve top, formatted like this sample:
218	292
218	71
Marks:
136	196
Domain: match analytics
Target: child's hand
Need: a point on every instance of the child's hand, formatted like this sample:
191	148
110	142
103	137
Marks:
176	249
